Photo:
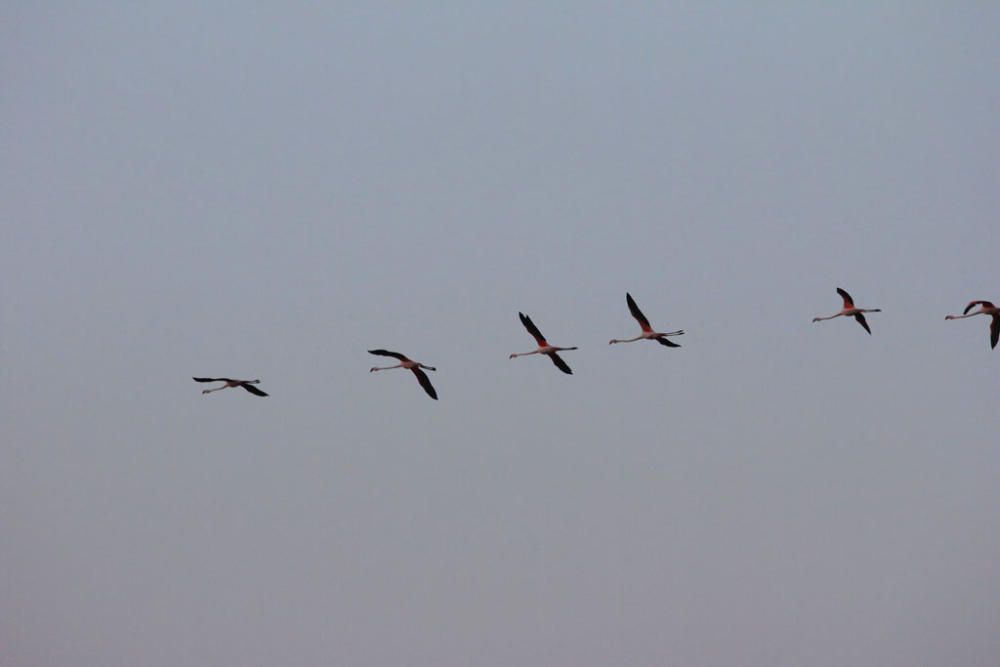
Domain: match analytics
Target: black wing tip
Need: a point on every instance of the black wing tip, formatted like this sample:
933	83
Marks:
387	353
560	363
425	382
973	304
254	390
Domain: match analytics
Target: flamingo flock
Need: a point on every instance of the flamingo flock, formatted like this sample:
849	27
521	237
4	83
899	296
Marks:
647	333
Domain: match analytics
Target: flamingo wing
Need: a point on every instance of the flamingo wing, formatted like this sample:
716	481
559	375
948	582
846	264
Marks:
252	389
667	342
387	353
425	382
636	313
532	329
211	379
861	320
848	301
973	304
560	364
994	331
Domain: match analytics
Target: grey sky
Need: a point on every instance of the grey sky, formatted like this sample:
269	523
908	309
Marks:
192	189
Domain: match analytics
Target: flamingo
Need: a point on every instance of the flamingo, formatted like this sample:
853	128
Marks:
851	310
986	308
647	330
246	384
406	362
543	346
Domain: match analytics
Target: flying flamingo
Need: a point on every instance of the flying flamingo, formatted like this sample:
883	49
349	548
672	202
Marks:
543	346
246	384
851	310
986	308
406	362
647	330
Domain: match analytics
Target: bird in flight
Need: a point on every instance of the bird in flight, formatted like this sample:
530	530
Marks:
985	308
246	384
647	329
406	362
850	310
543	346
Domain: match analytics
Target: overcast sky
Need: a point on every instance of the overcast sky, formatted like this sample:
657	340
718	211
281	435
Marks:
191	188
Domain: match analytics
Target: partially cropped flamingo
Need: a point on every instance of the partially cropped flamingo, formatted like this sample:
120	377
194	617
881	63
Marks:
406	362
246	384
850	310
543	346
647	330
986	308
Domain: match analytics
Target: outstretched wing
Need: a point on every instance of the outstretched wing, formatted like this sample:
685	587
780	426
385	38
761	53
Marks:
560	364
848	301
252	389
532	329
861	320
211	379
636	313
667	342
387	353
994	331
973	304
425	382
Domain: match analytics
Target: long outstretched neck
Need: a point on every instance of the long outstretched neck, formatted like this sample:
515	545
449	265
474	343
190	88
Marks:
383	368
870	310
522	354
962	317
820	318
627	340
430	368
563	349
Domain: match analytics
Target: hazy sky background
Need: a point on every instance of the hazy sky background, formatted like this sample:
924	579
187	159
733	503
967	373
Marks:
192	188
